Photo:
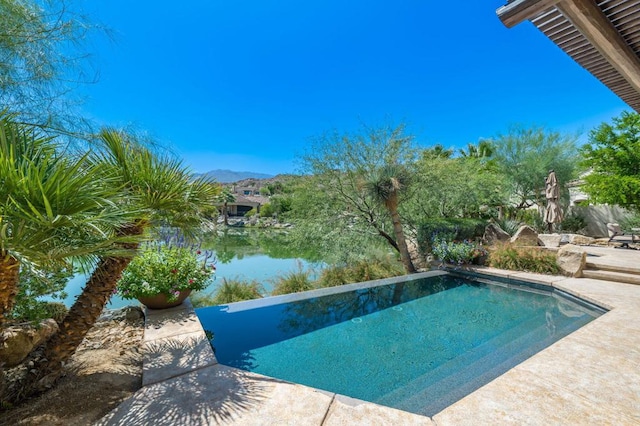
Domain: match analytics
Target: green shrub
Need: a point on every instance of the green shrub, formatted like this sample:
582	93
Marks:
573	223
450	230
631	222
166	269
266	210
510	226
233	290
374	268
464	252
35	284
525	259
533	218
251	212
293	282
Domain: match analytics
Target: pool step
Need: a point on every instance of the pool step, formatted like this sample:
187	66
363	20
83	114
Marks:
430	379
459	376
621	273
619	277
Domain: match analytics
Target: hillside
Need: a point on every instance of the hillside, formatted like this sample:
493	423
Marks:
229	176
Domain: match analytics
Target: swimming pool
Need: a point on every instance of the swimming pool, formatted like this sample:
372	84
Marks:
417	345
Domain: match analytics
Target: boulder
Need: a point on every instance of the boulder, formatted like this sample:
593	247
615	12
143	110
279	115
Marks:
550	240
493	233
572	260
19	340
526	236
580	240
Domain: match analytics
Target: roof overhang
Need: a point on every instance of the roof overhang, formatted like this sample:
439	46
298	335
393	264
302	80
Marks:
603	37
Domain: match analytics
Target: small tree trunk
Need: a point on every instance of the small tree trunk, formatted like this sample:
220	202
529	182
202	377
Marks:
392	205
49	359
9	272
225	213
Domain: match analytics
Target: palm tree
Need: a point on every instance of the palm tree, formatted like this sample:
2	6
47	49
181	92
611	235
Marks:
437	151
484	149
159	191
226	197
53	208
385	187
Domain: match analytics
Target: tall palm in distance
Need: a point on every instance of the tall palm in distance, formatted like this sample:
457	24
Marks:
484	149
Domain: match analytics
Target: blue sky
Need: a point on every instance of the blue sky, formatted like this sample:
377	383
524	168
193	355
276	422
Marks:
244	85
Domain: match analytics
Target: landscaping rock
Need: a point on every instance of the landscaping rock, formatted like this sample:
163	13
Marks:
19	340
580	240
550	240
526	236
572	260
493	233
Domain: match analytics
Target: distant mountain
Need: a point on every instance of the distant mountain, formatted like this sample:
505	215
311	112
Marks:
229	176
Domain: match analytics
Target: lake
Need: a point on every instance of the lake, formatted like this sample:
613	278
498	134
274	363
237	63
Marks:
246	254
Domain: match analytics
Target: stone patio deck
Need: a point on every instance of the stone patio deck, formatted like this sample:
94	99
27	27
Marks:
591	376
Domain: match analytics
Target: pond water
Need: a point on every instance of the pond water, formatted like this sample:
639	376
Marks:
242	253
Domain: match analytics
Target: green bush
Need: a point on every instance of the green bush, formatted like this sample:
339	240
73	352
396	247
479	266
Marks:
165	269
533	218
34	285
573	223
374	268
450	230
510	226
525	259
293	282
630	222
251	212
457	252
266	210
233	290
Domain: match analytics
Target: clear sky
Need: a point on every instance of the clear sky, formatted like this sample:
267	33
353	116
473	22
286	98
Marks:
244	85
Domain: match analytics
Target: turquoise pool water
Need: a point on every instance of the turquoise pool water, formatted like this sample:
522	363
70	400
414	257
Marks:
418	345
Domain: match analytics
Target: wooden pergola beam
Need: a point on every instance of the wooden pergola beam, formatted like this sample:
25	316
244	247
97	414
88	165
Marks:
520	10
587	17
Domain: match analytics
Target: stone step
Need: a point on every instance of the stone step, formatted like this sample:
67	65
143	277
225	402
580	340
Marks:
601	266
620	277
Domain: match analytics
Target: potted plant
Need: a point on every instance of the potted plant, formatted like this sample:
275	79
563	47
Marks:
163	275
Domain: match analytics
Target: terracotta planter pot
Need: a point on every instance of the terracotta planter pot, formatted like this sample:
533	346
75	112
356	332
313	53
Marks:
160	301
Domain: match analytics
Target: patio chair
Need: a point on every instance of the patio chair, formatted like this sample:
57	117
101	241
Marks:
616	234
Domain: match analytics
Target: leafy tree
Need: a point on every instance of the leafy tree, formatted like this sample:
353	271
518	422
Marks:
525	156
455	187
337	200
42	60
613	156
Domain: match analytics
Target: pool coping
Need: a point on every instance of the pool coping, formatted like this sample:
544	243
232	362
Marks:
181	374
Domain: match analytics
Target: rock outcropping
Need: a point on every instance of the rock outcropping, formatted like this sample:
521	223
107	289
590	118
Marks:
526	236
572	260
19	340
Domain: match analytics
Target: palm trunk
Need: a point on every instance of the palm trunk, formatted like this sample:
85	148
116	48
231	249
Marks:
50	358
225	214
9	271
392	205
